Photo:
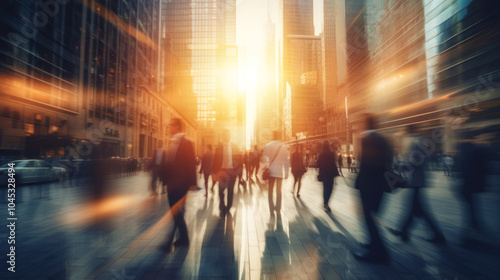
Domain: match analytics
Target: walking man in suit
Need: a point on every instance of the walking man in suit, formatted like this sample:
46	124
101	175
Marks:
376	156
227	165
180	175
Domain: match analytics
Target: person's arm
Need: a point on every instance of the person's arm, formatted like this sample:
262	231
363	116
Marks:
191	164
287	162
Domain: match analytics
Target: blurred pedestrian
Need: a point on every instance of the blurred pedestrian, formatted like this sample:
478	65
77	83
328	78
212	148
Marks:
417	157
349	162
376	157
207	161
227	165
298	168
327	173
180	175
255	161
155	166
472	167
340	163
275	156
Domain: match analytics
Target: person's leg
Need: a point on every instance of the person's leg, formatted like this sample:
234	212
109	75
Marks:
222	186
412	208
205	176
294	182
278	194
270	194
154	181
176	202
327	191
230	192
299	185
423	209
376	246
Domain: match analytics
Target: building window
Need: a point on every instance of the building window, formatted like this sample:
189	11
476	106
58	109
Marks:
16	117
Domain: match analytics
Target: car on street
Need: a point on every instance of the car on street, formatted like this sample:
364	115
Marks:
32	171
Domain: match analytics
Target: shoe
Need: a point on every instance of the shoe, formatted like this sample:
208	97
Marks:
403	235
181	243
372	257
212	190
438	238
298	195
327	208
167	248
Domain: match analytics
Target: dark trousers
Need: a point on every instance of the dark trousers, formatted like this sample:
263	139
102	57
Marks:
226	182
417	209
297	179
176	201
270	188
327	190
154	181
369	203
206	175
471	211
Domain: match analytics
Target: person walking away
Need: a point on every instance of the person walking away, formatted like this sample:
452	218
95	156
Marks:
340	163
327	173
156	162
227	165
275	156
298	168
417	207
180	175
376	157
472	168
206	167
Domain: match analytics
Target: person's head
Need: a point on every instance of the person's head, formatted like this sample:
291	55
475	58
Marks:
176	126
226	136
326	146
370	121
209	147
256	148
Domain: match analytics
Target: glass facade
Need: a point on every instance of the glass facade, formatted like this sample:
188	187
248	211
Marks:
202	33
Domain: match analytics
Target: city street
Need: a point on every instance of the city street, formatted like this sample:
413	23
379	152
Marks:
61	235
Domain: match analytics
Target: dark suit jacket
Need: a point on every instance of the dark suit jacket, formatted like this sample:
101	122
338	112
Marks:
376	157
237	160
472	166
206	162
327	166
180	174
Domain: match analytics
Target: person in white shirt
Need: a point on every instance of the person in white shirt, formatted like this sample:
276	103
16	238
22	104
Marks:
275	157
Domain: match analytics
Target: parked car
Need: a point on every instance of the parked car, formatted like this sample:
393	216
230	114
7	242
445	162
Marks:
32	171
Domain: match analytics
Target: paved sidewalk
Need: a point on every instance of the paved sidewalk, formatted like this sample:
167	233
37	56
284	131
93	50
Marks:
59	237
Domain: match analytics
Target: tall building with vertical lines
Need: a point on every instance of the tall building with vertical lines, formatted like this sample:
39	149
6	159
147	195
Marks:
201	35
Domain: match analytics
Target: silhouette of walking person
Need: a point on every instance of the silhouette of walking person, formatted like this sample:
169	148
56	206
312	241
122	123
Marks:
327	173
298	168
180	175
417	207
376	157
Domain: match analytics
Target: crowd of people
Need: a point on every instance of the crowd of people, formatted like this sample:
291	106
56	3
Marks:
374	168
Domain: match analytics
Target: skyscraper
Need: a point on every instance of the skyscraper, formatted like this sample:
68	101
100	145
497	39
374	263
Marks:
202	34
300	66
